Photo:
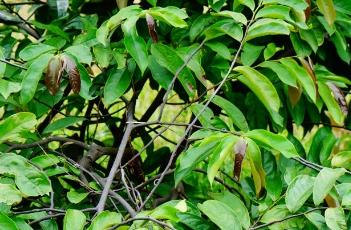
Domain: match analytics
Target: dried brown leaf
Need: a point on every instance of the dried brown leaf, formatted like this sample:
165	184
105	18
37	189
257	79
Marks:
152	28
294	95
308	10
53	74
73	74
240	151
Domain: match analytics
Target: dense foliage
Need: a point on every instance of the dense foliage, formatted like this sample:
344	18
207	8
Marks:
180	114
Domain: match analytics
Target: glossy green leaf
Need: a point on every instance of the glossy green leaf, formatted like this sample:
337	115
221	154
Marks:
32	76
298	5
324	182
76	197
273	141
51	28
316	219
238	207
328	10
169	210
170	15
270	50
81	52
317	143
103	55
278	212
74	220
7	223
8	87
265	26
342	159
233	112
299	190
62	123
287	77
220	214
302	76
168	58
45	161
250	53
9	194
105	220
219	48
29	179
239	17
12	127
224	27
116	85
261	86
160	73
335	218
32	51
249	3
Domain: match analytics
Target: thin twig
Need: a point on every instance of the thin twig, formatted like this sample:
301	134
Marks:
13	64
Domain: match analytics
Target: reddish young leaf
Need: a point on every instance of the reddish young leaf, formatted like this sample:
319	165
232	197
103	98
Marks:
73	74
152	28
240	150
308	10
53	74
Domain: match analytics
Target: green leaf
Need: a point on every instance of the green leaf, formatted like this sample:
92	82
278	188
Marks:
105	220
6	223
9	194
85	82
116	85
159	73
233	112
103	33
249	3
302	76
29	179
8	87
168	58
335	218
270	50
238	207
220	214
261	86
273	141
298	5
45	161
331	103
299	190
194	221
341	46
324	182
250	53
195	155
12	127
285	76
220	154
224	27
34	50
169	210
62	123
316	219
135	45
54	29
76	197
59	6
328	10
74	220
170	15
322	134
103	55
32	76
81	52
219	48
2	64
342	159
239	17
276	213
265	26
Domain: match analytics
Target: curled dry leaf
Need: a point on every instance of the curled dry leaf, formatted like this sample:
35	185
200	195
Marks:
53	74
339	97
294	95
308	10
152	28
239	150
73	74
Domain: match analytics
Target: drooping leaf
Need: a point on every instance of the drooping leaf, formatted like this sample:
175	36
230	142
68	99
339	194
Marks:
324	182
285	76
299	190
62	123
266	26
116	85
220	214
105	220
170	15
239	17
12	127
224	27
160	73
32	76
273	141
53	74
335	218
74	220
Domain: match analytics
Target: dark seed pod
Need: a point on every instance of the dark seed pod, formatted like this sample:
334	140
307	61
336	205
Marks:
73	74
53	74
152	28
